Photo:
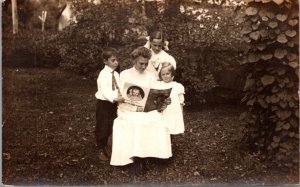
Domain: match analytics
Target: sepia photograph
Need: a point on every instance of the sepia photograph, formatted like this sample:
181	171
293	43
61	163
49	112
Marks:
221	80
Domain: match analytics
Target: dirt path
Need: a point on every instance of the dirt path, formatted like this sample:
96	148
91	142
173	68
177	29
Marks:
48	138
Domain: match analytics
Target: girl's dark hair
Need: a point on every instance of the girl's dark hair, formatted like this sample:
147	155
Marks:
109	52
141	51
169	67
157	35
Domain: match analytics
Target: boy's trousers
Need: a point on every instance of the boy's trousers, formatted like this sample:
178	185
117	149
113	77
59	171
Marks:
106	112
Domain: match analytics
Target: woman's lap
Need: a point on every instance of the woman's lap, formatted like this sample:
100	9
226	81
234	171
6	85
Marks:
138	134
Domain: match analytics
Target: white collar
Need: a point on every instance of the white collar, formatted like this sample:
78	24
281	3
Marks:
109	69
154	54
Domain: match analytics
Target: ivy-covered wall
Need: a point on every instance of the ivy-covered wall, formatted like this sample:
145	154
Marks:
271	30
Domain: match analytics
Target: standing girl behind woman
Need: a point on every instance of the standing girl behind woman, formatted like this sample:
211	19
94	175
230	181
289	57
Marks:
158	45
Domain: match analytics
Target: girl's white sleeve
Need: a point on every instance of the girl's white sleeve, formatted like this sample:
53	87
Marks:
181	98
180	92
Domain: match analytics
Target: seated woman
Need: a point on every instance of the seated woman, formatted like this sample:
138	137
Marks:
139	134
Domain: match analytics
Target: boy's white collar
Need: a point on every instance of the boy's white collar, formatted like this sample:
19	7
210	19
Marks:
109	68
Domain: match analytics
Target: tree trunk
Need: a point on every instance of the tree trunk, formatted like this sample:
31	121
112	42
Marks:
14	16
143	8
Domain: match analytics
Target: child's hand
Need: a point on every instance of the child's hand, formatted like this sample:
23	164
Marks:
162	108
119	99
168	101
181	106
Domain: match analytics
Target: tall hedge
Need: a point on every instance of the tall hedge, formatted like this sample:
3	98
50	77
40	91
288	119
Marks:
125	24
271	30
194	35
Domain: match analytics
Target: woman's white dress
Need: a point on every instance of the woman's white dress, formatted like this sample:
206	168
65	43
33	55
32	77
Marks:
139	134
172	115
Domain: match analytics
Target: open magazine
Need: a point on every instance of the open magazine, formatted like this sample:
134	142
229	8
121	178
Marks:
141	99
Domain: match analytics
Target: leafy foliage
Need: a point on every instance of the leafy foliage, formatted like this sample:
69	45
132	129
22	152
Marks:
195	28
30	48
271	88
112	26
125	24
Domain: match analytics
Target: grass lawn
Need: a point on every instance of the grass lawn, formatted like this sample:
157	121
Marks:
48	138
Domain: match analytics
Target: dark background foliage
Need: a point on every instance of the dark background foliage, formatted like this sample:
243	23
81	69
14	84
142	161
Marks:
208	58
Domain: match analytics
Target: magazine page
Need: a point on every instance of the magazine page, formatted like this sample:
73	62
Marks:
141	99
135	97
156	98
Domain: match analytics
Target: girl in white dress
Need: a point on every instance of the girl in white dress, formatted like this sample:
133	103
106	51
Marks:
157	44
173	114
